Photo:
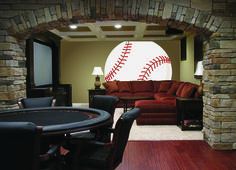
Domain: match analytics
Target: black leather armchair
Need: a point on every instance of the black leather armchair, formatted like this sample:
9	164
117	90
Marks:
106	156
103	102
20	148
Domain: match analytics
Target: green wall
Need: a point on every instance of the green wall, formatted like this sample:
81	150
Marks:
79	58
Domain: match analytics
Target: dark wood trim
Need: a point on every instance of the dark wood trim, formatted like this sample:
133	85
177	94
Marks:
183	49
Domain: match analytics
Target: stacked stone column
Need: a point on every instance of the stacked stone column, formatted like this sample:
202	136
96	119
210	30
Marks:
12	71
220	91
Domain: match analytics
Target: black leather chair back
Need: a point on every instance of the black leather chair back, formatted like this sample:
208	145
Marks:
121	134
19	145
37	102
107	103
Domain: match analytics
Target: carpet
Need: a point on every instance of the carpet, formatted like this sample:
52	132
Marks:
159	132
154	132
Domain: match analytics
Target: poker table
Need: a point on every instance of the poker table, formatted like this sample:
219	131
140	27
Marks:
59	120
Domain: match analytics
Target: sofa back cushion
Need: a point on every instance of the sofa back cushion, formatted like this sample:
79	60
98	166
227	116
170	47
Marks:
174	88
142	86
124	86
187	90
178	92
156	86
111	86
165	86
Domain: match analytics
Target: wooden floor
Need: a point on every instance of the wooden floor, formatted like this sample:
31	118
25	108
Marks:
175	155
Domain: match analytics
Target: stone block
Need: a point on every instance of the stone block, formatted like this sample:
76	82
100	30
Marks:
228	44
2	63
214	137
189	15
6	96
201	19
219	72
6	71
11	63
167	11
41	19
6	46
220	60
39	13
222	146
227	78
228	124
217	21
179	13
32	18
228	137
47	15
3	88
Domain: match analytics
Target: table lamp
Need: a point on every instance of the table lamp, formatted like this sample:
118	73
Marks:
97	71
198	75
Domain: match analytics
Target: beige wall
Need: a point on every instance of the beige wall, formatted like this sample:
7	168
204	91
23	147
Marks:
187	67
79	58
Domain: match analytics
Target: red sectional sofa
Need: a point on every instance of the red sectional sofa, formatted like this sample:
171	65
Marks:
161	107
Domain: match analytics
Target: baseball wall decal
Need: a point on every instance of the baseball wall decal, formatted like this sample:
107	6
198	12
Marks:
138	60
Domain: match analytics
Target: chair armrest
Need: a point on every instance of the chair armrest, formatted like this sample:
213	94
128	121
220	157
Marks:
111	130
20	104
53	102
50	153
99	144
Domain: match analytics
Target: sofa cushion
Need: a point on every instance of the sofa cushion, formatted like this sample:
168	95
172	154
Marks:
197	94
156	86
124	86
173	88
188	90
156	106
111	86
164	96
178	92
148	94
165	86
142	86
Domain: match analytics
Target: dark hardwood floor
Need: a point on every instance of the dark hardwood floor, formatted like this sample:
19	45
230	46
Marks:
175	155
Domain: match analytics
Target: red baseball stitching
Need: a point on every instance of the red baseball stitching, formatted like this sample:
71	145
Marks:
121	61
153	64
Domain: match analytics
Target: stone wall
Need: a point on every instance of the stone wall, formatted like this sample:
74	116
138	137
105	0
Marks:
214	19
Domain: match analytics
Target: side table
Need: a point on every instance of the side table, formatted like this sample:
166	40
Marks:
189	113
93	92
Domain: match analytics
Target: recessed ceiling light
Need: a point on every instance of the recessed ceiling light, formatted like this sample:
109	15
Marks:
73	26
117	26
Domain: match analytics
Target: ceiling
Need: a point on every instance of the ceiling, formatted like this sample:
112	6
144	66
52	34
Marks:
105	31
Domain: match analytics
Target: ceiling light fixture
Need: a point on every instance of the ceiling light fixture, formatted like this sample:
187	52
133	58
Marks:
73	26
117	26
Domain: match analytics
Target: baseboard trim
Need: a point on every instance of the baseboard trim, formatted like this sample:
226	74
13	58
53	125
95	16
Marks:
83	105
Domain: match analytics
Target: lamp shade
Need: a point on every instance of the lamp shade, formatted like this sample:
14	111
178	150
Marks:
199	70
97	71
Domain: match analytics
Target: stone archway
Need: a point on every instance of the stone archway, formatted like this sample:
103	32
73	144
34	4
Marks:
219	49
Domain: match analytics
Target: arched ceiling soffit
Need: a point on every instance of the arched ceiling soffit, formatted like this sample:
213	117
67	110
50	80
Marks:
163	21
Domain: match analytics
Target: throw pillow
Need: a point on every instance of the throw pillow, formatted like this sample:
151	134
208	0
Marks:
164	86
188	90
173	88
111	86
178	92
124	86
